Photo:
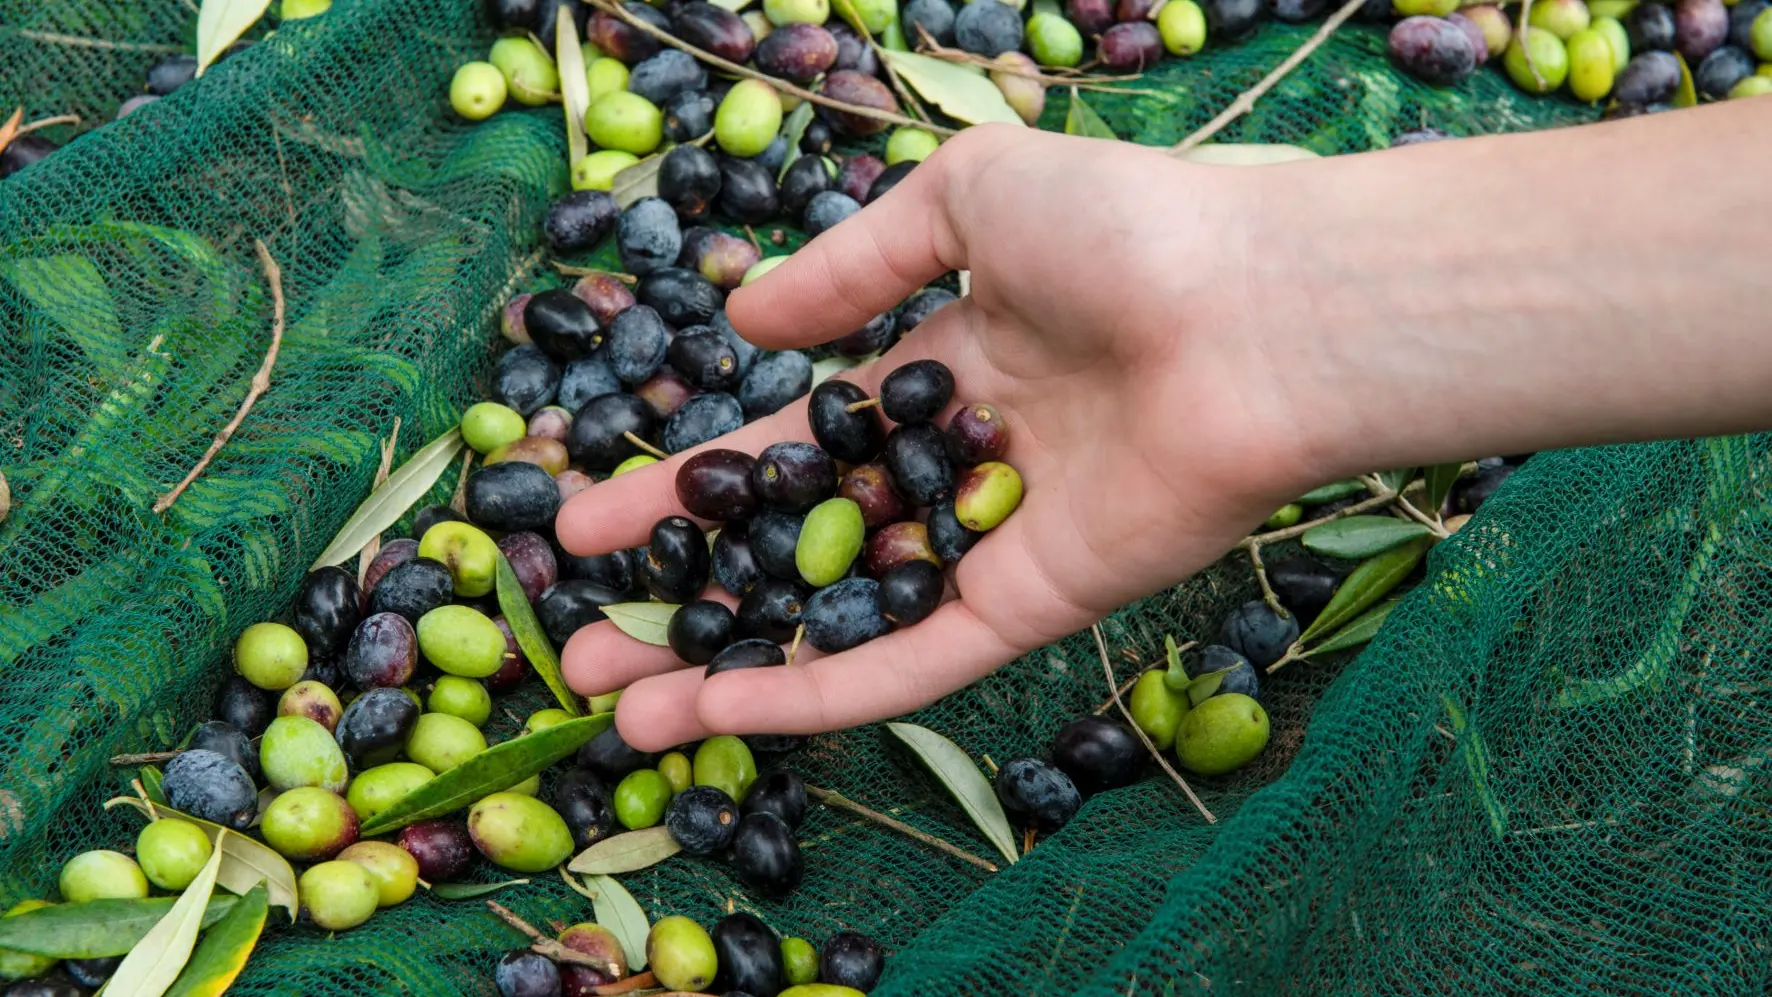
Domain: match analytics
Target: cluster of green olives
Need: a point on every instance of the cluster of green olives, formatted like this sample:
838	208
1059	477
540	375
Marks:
742	955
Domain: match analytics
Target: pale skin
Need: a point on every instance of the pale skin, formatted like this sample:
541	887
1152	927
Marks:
1207	343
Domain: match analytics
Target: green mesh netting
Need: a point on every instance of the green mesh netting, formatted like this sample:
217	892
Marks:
1612	844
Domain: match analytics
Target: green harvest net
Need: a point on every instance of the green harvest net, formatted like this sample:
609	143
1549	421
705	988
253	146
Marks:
1545	776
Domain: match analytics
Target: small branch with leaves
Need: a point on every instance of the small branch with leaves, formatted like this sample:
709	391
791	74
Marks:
927	45
1107	666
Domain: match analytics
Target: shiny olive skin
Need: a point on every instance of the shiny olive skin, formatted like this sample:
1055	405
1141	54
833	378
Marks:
327	609
677	563
771	609
853	437
700	630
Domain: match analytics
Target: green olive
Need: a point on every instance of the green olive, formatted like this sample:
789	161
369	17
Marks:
625	121
1222	734
1055	41
461	697
633	463
519	832
338	895
878	15
376	789
1751	86
477	91
799	960
461	640
308	824
641	798
680	954
16	965
1590	64
830	538
760	268
486	426
297	751
271	656
1562	18
987	494
726	762
1760	35
605	76
1548	56
1157	709
1620	39
470	555
1288	515
172	852
910	145
543	719
1182	25
1432	8
440	742
797	11
102	875
529	74
597	171
393	868
297	10
748	118
677	771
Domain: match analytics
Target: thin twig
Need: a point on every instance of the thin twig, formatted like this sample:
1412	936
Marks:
60	119
794	648
936	50
9	130
904	92
1300	529
577	887
854	407
1407	508
52	38
260	381
645	446
544	945
283	172
1245	101
459	501
752	233
1267	589
144	758
1525	48
1123	690
1107	667
373	547
572	271
784	86
834	799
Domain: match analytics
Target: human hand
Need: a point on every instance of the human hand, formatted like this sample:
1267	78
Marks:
1104	323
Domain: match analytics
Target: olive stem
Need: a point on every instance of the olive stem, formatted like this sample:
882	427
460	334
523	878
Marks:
261	381
936	50
145	758
1267	589
1107	667
638	981
859	110
1027	837
832	798
543	945
1526	49
1276	536
1433	523
794	648
1245	101
60	119
865	403
9	130
52	38
1125	688
572	271
459	501
991	764
643	445
910	98
755	244
373	547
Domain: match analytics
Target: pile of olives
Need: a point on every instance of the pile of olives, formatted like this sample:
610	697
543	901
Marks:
741	957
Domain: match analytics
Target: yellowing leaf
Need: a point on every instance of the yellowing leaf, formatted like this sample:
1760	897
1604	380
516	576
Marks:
575	88
220	23
156	960
1082	120
224	950
247	862
964	92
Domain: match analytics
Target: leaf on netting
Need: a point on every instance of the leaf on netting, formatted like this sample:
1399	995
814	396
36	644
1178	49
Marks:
793	130
1687	93
637	181
223	952
468	891
1332	492
496	769
1476	760
220	23
1356	537
71	292
648	622
384	506
1371	581
152	781
616	909
575	88
1360	631
156	961
97	929
1440	479
1082	120
1233	154
956	771
628	852
246	862
520	617
964	92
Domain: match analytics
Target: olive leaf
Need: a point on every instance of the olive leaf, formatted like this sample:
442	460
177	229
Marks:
649	622
220	23
384	506
629	852
155	961
1048	7
955	770
1395	480
1687	94
1204	687
152	781
823	370
497	768
1334	491
1371	581
1440	479
70	290
964	92
246	862
616	909
1176	676
1360	631
1082	120
637	181
1356	537
732	5
1232	154
794	129
97	929
468	891
1476	759
223	952
520	617
575	88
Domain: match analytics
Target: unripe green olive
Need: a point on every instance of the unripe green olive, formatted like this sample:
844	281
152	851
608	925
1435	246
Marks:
748	118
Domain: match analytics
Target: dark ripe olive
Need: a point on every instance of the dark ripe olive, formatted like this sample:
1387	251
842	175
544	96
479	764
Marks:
869	339
665	392
606	296
852	437
773	538
1649	78
749	955
844	615
229	741
806	177
580	221
374	728
891	175
1651	28
1721	70
816	139
572	604
910	592
583	801
327	609
705	359
1742	15
724	259
853	53
917	456
870	487
1304	585
702	418
666	75
918	307
1140	10
383	652
916	391
716	484
857	175
947	536
774	155
547	20
988	29
610	758
245	706
515	15
648	237
1238	674
748	194
512	496
766	857
1131	46
851	960
793	477
209	785
780	792
689	115
1699	27
1232	19
1039	791
797	52
1098	754
525	379
700	630
515	667
771	609
171	73
702	819
752	652
532	561
623	41
22	152
1433	50
442	847
92	973
896	544
414	587
599	439
1092	17
681	296
688	180
562	325
613	569
1258	633
714	29
825	210
852	87
735	566
934	18
976	434
774	380
677	561
583	380
430	516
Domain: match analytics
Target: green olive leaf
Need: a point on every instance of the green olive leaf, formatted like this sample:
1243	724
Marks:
649	622
220	23
575	88
1205	686
246	862
637	181
1687	94
1440	479
1082	120
152	781
956	771
794	129
468	891
1357	537
823	370
1360	631
629	852
1334	491
384	506
497	768
156	961
520	617
892	39
1176	676
97	929
223	952
1476	760
1396	480
964	92
616	909
70	290
1371	581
